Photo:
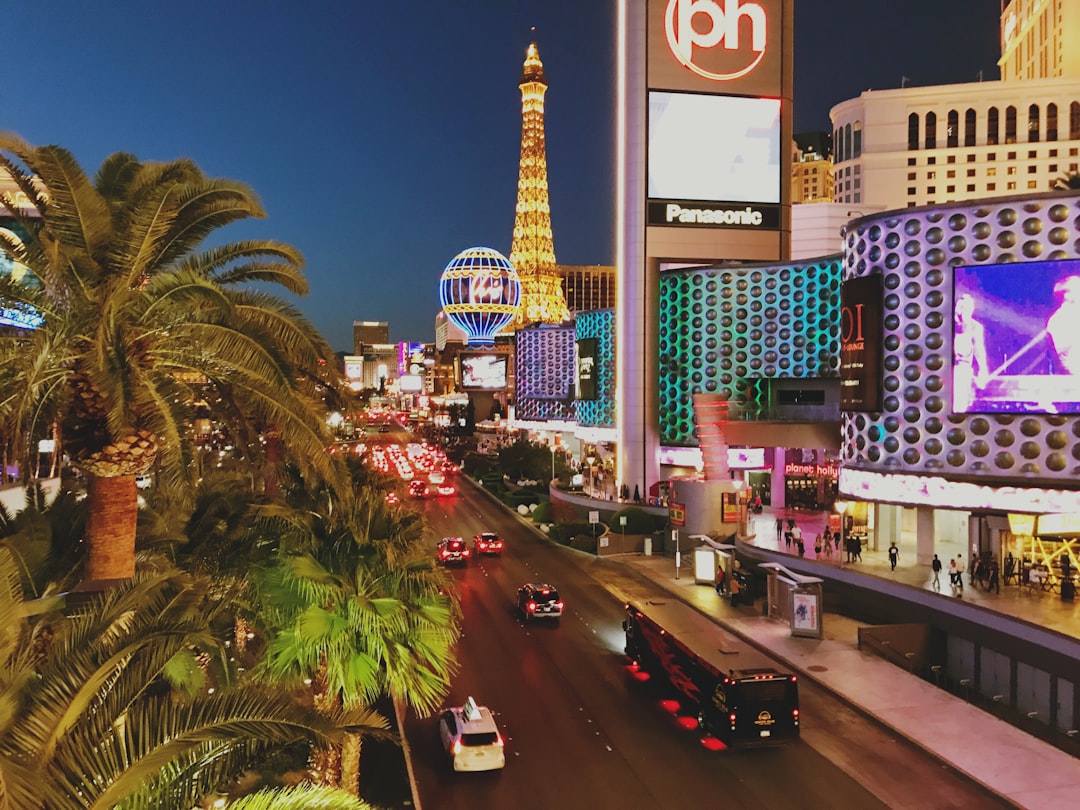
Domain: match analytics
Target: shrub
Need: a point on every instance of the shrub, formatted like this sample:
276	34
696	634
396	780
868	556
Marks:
638	521
563	532
584	542
544	512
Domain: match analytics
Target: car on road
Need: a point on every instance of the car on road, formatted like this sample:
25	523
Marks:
452	550
488	543
539	601
445	490
471	739
418	489
436	477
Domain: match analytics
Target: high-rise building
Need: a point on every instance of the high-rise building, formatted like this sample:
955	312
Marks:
811	169
1040	39
369	332
532	252
588	287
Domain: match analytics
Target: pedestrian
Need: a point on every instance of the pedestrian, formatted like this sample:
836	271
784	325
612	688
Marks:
796	534
721	584
787	540
935	566
956	579
960	572
857	547
817	545
995	584
779	529
836	542
894	554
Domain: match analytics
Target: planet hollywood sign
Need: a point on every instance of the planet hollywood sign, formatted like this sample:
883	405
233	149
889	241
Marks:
723	31
818	470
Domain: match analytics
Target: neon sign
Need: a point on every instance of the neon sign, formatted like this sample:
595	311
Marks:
820	470
724	17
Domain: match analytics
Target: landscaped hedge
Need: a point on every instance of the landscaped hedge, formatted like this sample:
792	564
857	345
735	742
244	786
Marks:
516	497
638	521
564	532
584	542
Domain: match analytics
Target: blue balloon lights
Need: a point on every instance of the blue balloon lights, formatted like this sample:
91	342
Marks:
480	293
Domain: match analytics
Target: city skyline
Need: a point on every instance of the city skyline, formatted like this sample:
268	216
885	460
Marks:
383	141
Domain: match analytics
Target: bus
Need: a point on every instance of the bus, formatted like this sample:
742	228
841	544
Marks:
746	705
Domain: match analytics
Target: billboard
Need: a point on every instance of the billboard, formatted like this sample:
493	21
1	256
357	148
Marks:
483	372
713	148
861	344
585	369
354	367
1016	337
410	358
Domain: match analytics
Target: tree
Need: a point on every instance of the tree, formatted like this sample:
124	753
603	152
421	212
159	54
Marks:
358	612
1067	182
111	707
136	314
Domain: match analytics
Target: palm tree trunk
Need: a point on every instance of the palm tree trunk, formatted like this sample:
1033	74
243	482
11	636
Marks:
110	527
350	764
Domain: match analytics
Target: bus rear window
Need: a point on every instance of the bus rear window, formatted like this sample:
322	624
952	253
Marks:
765	691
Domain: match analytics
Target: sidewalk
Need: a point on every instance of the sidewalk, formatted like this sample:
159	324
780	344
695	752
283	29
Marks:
1015	765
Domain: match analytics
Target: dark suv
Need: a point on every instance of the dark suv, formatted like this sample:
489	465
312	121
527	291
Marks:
538	601
452	550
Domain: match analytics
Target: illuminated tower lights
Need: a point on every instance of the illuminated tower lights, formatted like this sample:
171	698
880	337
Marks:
532	252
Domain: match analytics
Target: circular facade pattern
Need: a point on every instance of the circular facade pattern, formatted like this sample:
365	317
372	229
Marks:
915	252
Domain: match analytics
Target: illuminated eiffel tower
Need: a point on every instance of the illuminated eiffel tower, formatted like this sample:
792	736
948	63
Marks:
532	252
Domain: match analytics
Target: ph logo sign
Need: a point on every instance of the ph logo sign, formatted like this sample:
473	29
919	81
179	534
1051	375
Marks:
719	40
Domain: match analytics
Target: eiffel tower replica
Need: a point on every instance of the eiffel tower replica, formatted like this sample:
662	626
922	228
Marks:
532	252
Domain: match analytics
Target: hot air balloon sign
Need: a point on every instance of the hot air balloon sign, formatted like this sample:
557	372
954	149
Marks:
480	293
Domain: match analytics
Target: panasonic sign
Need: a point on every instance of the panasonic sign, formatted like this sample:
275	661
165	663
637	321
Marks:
712	215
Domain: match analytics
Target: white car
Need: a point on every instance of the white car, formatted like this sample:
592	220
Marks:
471	739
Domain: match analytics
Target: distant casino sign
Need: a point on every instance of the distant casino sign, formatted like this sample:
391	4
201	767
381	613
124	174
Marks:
673	213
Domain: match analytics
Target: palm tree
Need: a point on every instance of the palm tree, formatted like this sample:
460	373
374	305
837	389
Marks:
91	720
360	613
139	319
1067	182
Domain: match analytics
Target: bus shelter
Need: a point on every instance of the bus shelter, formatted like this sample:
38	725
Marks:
795	598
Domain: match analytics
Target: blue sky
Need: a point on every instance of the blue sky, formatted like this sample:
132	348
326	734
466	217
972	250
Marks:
383	135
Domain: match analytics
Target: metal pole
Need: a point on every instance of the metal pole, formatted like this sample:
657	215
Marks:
678	556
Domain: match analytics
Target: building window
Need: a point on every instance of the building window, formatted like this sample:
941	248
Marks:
950	173
1074	121
991	155
1010	170
857	143
992	171
911	161
1052	153
950	189
971	188
1052	167
969	127
1032	169
950	159
911	175
931	189
1011	186
1033	123
1032	154
971	159
1010	156
952	132
1032	184
991	186
913	132
970	173
858	197
1051	122
847	141
931	175
931	130
1010	124
992	127
910	190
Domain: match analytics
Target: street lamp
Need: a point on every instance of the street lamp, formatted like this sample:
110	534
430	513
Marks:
591	459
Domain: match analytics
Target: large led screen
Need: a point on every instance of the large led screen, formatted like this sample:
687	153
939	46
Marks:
860	344
483	371
712	148
1016	338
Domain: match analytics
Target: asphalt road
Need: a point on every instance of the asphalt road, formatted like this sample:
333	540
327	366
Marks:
581	732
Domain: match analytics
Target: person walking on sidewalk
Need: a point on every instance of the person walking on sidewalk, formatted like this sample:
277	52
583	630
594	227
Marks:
935	566
779	529
956	576
721	583
894	554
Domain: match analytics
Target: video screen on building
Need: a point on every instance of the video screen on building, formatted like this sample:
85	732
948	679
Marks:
1016	338
860	344
713	148
485	372
585	369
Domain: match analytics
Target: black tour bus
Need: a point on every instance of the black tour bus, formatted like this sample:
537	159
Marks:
739	697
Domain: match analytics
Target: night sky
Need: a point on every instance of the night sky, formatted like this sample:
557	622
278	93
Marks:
383	136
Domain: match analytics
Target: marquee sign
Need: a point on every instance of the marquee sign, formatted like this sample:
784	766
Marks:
684	34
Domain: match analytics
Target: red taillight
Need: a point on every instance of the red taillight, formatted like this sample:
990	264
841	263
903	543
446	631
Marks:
558	605
444	554
795	715
731	718
464	552
531	607
499	741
